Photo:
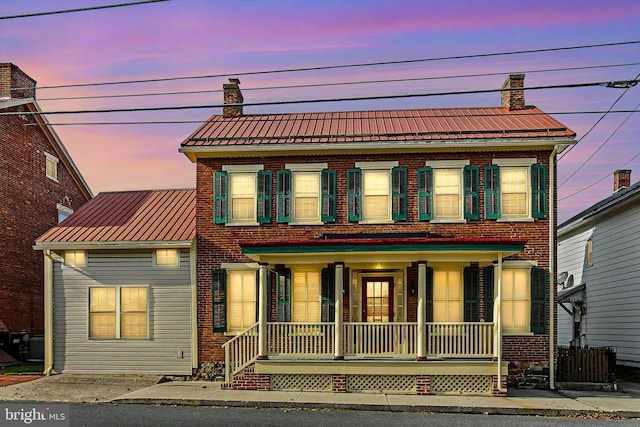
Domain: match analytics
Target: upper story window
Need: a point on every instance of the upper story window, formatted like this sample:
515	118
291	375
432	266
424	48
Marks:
589	253
63	212
75	259
377	192
242	195
448	191
306	194
51	167
167	257
515	189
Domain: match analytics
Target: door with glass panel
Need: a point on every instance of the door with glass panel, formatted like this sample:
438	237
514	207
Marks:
377	314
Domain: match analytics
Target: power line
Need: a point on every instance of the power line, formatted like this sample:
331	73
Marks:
310	101
604	142
294	119
84	9
333	67
459	76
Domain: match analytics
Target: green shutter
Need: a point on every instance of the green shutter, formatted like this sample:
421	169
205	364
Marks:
471	192
328	313
471	294
399	196
220	203
488	293
354	195
492	192
425	194
328	179
538	191
264	196
283	286
429	293
539	292
219	300
284	195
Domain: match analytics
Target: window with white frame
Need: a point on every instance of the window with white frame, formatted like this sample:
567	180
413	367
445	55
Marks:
306	300
51	166
167	257
118	312
589	253
241	299
306	194
75	259
63	212
448	191
377	192
242	195
447	295
515	304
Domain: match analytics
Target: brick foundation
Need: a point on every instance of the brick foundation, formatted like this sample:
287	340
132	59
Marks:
339	383
423	385
249	380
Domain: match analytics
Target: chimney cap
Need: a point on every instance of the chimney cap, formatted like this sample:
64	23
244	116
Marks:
234	81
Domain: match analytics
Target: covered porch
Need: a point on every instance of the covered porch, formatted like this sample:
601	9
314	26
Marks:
383	320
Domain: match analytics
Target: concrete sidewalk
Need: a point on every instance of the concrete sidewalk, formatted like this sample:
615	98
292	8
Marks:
518	402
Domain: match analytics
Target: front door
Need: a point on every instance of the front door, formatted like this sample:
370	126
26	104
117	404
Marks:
377	299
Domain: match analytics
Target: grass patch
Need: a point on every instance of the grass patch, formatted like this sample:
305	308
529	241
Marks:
32	368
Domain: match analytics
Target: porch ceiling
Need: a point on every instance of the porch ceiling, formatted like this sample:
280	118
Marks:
314	251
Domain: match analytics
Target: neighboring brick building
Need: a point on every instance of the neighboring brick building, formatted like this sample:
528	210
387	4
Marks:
329	235
39	185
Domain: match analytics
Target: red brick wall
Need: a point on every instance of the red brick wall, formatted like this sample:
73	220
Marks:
217	243
27	209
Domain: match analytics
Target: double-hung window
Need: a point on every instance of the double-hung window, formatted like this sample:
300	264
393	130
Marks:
51	166
76	259
448	191
118	312
515	189
306	194
306	299
377	192
241	299
242	195
447	295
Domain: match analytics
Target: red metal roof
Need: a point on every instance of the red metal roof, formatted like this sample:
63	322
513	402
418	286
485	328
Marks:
368	126
130	216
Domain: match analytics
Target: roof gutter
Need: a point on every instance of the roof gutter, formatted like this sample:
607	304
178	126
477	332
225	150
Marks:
39	246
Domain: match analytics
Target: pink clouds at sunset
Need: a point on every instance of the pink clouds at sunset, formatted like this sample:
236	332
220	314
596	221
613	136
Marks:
200	37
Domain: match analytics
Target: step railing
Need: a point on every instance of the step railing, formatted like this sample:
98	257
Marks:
240	351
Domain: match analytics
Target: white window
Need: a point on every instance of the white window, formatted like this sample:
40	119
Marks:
75	259
51	163
63	212
306	299
118	312
515	304
167	257
448	188
242	194
447	296
306	192
589	253
376	191
241	299
515	188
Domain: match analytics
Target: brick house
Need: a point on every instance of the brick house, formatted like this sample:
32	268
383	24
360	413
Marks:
39	186
405	250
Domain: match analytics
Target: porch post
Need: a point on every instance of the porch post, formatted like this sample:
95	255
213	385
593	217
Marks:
262	313
498	326
338	343
422	314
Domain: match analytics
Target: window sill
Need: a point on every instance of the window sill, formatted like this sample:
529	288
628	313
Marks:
448	221
306	223
505	219
518	334
242	224
373	222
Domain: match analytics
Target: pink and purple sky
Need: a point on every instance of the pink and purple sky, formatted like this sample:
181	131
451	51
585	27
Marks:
223	37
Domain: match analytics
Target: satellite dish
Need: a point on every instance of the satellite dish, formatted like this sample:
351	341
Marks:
563	276
569	282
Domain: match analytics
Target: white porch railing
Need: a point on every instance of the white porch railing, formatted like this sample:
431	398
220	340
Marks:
240	351
380	339
300	339
460	340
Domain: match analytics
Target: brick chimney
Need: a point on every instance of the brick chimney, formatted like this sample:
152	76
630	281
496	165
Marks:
513	99
621	179
232	95
15	84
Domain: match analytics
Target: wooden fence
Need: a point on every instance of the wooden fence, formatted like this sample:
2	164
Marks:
586	364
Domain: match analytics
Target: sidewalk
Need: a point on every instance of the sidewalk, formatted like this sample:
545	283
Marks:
518	402
140	389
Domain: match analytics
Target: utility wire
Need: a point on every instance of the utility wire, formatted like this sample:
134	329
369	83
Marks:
294	119
84	9
361	82
605	141
310	101
333	67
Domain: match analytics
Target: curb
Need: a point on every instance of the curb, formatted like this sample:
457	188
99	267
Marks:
543	412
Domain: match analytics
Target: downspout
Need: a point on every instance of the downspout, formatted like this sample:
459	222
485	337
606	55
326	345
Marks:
48	313
194	305
552	266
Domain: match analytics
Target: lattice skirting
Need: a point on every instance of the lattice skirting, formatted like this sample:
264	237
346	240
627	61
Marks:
301	382
461	384
382	383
